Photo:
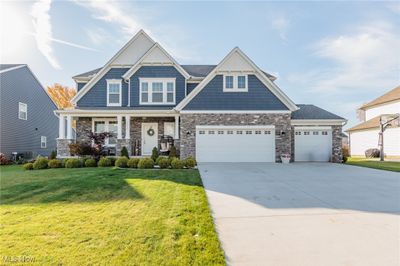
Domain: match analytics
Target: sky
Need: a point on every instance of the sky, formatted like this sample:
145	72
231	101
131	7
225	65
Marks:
336	55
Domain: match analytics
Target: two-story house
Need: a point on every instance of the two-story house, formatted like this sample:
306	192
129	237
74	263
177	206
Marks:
230	112
366	134
28	125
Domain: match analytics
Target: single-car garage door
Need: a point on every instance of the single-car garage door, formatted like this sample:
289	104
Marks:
312	144
235	143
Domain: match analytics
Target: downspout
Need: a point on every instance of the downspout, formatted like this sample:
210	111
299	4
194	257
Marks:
129	91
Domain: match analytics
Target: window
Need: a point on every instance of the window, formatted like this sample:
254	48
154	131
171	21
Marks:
211	132
267	132
249	132
325	133
43	142
239	132
106	125
315	133
298	133
230	132
157	91
306	133
258	132
114	94
22	111
169	129
220	132
202	132
235	83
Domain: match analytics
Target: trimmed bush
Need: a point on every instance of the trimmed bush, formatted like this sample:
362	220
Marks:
124	152
122	162
172	152
53	155
112	160
104	162
163	162
177	163
73	163
4	160
190	162
54	163
40	163
146	163
90	162
154	154
28	166
159	158
133	162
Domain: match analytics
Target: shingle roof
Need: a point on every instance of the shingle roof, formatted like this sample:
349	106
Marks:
387	97
193	70
6	66
309	111
372	123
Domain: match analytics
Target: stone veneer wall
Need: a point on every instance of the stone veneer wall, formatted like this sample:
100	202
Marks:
190	121
63	148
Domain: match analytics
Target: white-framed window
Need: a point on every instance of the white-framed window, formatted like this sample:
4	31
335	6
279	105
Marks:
157	91
43	142
109	125
114	92
235	83
169	129
22	111
202	132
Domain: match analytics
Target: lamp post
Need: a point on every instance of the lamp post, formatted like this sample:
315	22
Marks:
384	122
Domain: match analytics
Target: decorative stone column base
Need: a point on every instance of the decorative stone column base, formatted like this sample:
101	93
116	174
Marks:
63	148
123	143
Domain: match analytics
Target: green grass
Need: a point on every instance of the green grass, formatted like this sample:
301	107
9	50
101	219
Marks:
105	216
371	163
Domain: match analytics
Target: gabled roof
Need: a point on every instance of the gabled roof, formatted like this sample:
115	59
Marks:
87	74
369	124
236	60
310	112
8	67
385	98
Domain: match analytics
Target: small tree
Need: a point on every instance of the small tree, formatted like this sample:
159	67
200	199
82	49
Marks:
124	152
98	140
172	152
154	154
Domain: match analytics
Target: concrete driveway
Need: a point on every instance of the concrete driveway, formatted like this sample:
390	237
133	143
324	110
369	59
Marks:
305	213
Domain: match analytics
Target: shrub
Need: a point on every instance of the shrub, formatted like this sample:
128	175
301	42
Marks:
90	162
163	162
53	155
73	163
28	166
124	152
4	160
172	152
112	160
177	163
40	163
190	162
80	149
104	162
159	158
154	154
122	162
133	162
54	163
372	153
344	159
146	163
345	153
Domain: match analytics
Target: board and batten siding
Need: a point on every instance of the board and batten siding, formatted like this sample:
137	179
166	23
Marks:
258	97
360	141
157	72
97	95
22	136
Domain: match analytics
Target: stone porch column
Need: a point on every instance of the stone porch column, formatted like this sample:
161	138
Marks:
62	141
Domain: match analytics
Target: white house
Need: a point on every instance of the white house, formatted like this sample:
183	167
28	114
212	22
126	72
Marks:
366	134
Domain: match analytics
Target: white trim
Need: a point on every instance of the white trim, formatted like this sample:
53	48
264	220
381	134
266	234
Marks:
313	128
150	82
11	68
259	74
200	127
317	122
21	104
234	112
107	67
235	87
114	113
118	82
43	139
138	64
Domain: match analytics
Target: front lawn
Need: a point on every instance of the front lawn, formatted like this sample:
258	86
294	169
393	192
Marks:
375	163
106	216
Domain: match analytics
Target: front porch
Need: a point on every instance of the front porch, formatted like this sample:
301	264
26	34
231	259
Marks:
139	133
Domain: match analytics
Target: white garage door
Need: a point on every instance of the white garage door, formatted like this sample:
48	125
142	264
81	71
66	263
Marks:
312	144
235	143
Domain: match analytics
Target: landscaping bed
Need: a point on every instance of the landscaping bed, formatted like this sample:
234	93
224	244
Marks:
375	163
107	216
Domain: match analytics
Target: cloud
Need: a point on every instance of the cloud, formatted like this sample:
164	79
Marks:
281	25
43	34
97	36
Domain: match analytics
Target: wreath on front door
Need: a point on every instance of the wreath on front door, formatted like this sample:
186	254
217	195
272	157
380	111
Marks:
150	132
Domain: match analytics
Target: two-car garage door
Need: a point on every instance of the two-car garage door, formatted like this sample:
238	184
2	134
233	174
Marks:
235	143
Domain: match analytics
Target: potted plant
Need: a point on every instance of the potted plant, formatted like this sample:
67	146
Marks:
285	158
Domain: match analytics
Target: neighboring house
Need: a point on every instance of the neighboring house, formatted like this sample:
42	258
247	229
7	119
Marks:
27	122
230	112
345	141
366	134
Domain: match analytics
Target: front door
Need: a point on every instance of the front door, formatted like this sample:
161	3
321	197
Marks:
149	137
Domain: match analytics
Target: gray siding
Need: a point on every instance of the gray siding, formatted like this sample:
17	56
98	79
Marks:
24	135
161	72
191	87
80	85
97	95
258	97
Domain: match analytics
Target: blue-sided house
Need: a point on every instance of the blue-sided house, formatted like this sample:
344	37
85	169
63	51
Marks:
230	112
28	125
